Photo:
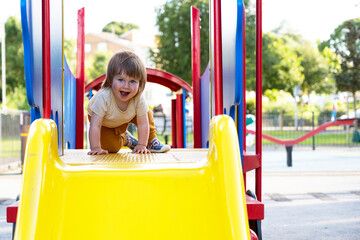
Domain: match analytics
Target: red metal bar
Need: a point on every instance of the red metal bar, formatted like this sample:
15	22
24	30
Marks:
244	94
46	59
173	123
173	82
80	81
179	121
11	212
258	147
244	83
218	58
196	64
250	162
255	208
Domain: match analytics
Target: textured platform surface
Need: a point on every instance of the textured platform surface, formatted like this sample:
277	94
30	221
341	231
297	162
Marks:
124	156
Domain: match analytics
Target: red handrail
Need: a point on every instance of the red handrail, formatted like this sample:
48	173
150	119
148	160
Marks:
196	64
218	58
46	57
292	142
80	81
258	147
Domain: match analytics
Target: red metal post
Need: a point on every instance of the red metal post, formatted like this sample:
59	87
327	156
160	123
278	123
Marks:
196	64
218	58
258	136
173	123
244	92
80	81
244	84
46	64
179	121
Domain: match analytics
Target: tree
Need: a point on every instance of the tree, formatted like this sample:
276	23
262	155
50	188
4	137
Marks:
316	70
119	27
346	42
70	54
15	76
174	41
98	65
282	68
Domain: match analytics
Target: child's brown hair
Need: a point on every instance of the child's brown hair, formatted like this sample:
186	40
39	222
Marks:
126	63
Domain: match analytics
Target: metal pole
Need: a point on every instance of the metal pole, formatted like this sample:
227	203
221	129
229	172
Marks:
289	155
196	74
46	70
347	116
313	127
3	66
80	80
219	109
258	147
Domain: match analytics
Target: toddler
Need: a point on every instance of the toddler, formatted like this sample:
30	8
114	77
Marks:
118	103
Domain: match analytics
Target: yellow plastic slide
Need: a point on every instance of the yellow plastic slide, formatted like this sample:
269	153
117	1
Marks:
183	194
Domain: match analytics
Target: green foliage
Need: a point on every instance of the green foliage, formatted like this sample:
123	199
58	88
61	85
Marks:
119	27
328	108
306	111
14	54
282	68
17	99
174	41
15	76
70	54
98	65
346	42
316	69
275	102
332	59
250	40
250	106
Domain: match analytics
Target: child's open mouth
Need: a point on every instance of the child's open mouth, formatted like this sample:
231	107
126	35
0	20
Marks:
124	94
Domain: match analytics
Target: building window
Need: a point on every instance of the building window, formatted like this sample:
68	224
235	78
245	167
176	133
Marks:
87	47
102	46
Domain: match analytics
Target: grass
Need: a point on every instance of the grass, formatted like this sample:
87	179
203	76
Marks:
10	147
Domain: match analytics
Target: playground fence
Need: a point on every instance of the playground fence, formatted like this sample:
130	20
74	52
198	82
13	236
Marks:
13	133
163	129
288	128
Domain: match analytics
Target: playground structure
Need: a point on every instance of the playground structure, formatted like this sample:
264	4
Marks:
196	193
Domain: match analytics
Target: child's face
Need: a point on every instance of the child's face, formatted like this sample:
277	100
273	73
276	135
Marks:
124	87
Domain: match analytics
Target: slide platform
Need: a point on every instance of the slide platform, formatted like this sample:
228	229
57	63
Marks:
182	194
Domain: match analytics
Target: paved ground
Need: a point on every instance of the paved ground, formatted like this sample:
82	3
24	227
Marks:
317	198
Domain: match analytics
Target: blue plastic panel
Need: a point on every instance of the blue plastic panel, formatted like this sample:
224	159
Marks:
32	39
205	107
232	18
56	45
229	18
31	21
69	107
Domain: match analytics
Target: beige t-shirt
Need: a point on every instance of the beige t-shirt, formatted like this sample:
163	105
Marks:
103	103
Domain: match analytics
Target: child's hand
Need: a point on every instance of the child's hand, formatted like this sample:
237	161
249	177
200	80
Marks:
97	151
140	149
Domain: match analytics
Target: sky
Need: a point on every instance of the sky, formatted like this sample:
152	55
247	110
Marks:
313	19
